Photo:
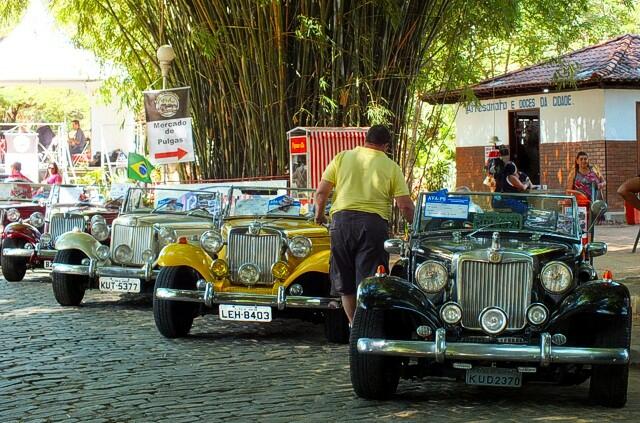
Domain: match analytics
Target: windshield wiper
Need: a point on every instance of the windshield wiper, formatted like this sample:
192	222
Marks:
489	226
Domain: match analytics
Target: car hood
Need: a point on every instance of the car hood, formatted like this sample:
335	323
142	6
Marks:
173	220
446	248
291	227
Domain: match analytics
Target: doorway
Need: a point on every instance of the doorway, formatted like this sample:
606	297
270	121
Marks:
524	142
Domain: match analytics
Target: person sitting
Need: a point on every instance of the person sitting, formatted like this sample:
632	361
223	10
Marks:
16	172
508	181
54	177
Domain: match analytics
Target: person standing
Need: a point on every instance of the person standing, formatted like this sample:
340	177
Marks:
77	140
583	176
365	183
54	177
629	191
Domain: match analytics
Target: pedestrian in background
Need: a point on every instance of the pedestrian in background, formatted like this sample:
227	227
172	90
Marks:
77	140
16	172
54	177
629	191
583	176
365	183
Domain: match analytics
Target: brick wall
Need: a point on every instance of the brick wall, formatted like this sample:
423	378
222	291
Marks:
621	165
616	160
470	168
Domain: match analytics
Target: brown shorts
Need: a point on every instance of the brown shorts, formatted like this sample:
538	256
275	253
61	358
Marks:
357	249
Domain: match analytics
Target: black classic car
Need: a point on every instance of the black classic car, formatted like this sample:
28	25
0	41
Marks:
495	290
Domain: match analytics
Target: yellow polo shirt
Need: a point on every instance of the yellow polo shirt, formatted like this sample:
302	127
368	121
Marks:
365	180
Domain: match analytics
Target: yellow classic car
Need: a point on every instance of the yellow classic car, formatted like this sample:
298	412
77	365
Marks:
268	259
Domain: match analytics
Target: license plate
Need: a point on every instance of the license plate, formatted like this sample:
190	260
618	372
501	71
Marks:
48	264
493	376
119	284
243	313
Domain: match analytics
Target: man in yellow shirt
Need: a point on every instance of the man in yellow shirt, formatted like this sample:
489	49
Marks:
365	183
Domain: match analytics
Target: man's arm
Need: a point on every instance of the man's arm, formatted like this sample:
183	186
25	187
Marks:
405	204
629	191
322	196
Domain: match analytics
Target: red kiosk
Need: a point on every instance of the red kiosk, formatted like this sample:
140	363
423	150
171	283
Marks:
312	148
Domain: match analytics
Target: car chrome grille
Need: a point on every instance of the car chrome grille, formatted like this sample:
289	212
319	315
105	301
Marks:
138	238
262	250
61	224
506	285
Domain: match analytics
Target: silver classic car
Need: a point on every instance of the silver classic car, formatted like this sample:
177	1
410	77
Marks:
496	290
150	219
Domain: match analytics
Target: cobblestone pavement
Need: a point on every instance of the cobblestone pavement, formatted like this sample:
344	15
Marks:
106	362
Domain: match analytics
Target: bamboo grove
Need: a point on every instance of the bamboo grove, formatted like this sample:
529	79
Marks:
260	68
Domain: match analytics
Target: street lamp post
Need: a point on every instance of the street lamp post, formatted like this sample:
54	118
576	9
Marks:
165	55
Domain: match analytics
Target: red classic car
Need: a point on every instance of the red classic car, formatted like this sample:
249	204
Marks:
69	207
21	200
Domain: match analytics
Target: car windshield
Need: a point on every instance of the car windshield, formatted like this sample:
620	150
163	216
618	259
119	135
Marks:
76	195
24	191
173	200
270	202
545	213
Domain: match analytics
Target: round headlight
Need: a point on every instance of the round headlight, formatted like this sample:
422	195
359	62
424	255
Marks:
148	256
36	219
249	273
45	239
280	270
102	252
556	277
493	320
13	215
100	231
167	235
211	241
219	268
98	219
123	253
537	314
300	246
451	313
431	276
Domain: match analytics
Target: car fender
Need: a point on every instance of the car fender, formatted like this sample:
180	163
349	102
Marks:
19	230
78	241
391	292
596	298
174	255
318	262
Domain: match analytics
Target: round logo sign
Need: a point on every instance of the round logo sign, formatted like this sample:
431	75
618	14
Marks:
167	104
21	143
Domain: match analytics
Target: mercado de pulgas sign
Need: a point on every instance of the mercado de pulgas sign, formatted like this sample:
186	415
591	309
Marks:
522	103
169	125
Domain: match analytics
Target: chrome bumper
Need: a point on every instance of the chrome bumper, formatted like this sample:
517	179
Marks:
544	354
281	301
94	269
18	252
29	252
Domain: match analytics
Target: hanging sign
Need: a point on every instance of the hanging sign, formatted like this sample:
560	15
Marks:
169	126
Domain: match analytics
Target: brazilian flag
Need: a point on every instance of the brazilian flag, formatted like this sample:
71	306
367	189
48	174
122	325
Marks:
139	168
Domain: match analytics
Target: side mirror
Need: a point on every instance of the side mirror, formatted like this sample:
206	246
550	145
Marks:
598	207
394	246
596	249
